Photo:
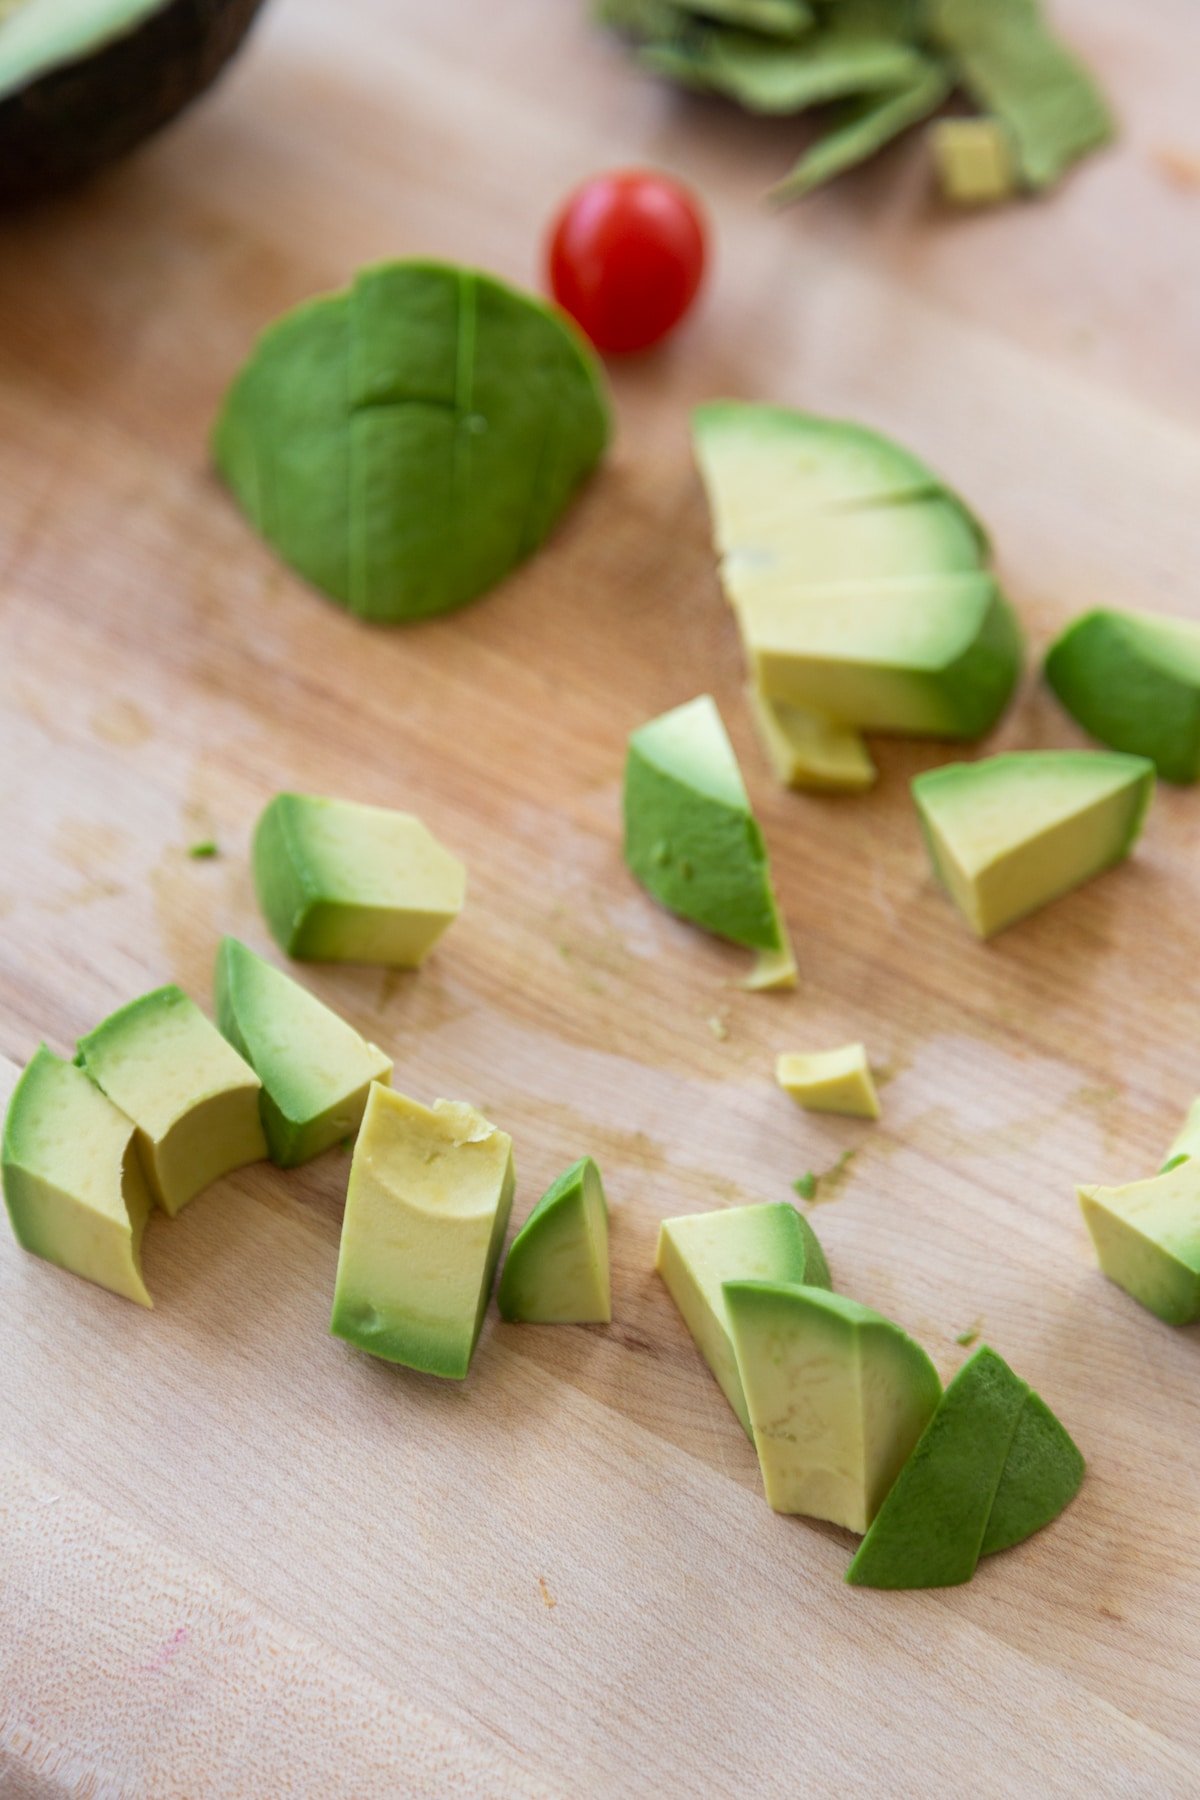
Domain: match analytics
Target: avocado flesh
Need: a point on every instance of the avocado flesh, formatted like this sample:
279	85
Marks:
838	1397
1012	832
1133	681
316	1070
698	1253
340	882
1147	1238
832	1081
1042	1473
426	1210
192	1098
405	444
73	1183
556	1271
1187	1143
83	81
690	836
809	751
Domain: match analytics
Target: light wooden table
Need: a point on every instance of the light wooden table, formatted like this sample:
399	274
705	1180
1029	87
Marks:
236	1559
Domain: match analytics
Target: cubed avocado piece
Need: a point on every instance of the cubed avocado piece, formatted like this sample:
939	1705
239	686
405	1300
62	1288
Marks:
1187	1143
1147	1237
929	1530
315	1069
1042	1473
832	1081
426	1211
192	1098
73	1183
556	1271
1009	833
1133	681
340	882
691	838
974	160
701	1251
838	1397
809	751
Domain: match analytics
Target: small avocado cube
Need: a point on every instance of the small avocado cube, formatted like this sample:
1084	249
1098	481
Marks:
692	840
1147	1237
339	882
1042	1473
426	1211
556	1271
701	1251
838	1397
1009	833
192	1097
832	1081
1133	681
974	160
1188	1141
316	1070
929	1530
73	1184
810	752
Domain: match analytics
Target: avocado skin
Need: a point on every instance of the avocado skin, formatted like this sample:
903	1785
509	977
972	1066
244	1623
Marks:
1113	680
81	116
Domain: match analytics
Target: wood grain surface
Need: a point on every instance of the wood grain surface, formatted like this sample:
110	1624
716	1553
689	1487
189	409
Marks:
236	1558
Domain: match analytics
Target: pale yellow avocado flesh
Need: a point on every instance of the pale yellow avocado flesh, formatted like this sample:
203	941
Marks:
807	750
73	1181
402	857
195	1102
428	1203
1188	1141
833	1081
773	968
974	160
1147	1238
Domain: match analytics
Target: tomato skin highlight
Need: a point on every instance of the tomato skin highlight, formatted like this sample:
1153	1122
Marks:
626	256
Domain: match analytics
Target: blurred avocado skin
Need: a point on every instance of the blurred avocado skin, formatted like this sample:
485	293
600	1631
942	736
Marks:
83	115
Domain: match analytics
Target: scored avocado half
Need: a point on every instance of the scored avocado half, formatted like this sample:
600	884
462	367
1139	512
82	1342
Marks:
83	81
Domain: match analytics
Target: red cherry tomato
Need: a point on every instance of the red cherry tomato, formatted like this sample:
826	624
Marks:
626	256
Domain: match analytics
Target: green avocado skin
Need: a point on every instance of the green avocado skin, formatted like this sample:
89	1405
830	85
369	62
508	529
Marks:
520	1293
278	877
1117	677
699	856
404	444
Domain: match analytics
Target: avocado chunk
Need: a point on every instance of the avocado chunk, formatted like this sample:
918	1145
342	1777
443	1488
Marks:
192	1098
1188	1141
339	882
1042	1473
701	1251
316	1071
974	160
832	1081
405	444
73	1184
838	1397
931	1529
809	751
692	840
1133	681
426	1211
1012	832
1147	1237
858	580
82	83
556	1272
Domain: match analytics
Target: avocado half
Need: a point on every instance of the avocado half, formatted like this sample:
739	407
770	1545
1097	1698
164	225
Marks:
83	81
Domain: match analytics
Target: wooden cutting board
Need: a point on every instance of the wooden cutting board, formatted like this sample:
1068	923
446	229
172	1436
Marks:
237	1559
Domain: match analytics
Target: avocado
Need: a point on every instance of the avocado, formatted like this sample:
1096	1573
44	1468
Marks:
1187	1143
73	1184
1147	1237
82	83
1009	833
691	838
556	1272
858	580
315	1069
699	1252
406	443
427	1207
974	160
992	1466
339	882
1133	681
838	1397
832	1081
809	751
192	1098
